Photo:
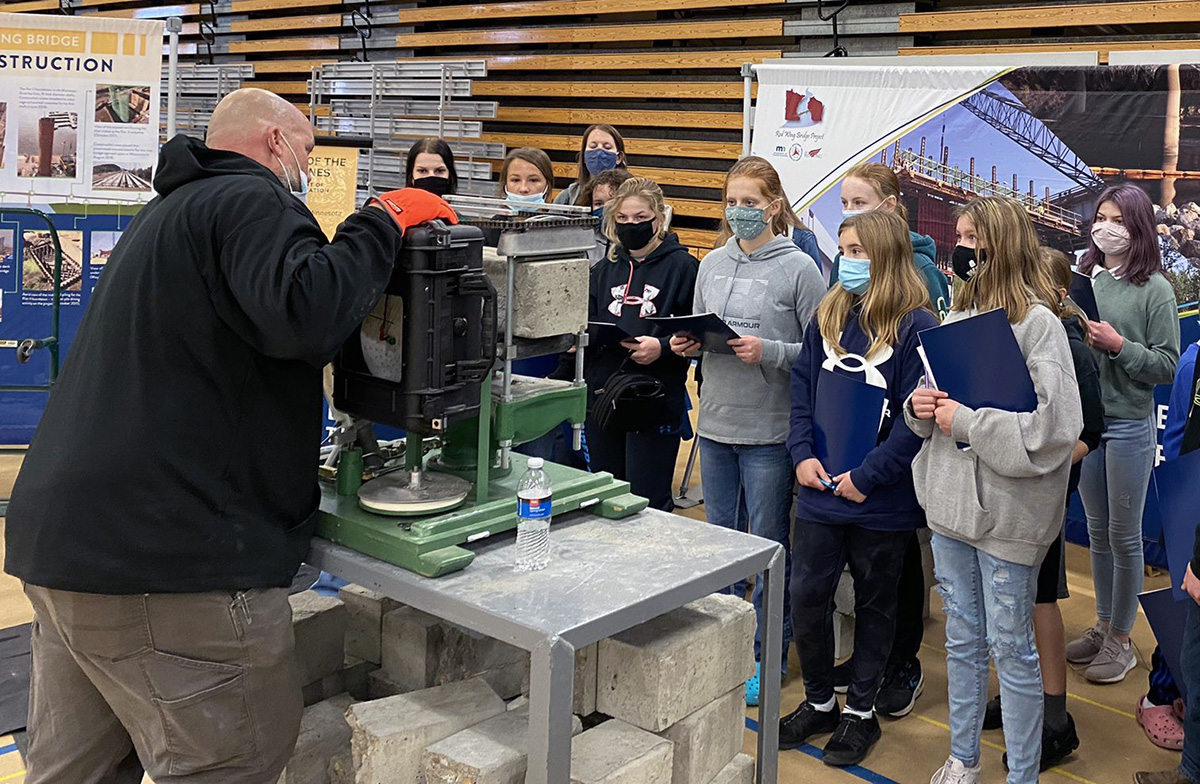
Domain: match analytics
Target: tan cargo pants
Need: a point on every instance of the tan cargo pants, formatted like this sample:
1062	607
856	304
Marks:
205	687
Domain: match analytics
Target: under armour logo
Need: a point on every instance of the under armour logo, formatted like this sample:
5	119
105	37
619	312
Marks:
646	300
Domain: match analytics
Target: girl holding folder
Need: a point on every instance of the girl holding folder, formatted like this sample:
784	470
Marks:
764	287
993	484
861	513
1137	343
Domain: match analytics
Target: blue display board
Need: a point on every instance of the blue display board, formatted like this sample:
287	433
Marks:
26	296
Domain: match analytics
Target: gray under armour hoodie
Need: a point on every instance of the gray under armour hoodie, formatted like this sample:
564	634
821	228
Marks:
770	294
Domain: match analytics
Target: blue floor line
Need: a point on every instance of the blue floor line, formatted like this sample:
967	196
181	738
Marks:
854	770
9	749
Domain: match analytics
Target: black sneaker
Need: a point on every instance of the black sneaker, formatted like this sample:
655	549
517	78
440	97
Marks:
841	677
993	719
1056	746
900	688
801	724
851	741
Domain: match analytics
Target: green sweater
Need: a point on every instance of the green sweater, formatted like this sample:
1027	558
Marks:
1146	316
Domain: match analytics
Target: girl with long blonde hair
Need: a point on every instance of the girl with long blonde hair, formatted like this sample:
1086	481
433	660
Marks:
863	516
760	284
993	484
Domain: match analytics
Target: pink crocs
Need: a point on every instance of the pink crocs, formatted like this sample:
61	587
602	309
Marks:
1162	725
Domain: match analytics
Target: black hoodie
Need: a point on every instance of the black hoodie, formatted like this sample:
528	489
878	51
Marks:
662	285
178	450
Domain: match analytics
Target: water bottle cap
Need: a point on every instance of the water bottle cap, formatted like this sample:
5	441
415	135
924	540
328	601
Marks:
535	462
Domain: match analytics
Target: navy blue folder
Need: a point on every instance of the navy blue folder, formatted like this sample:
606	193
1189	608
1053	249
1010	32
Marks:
978	363
1082	294
606	333
1168	620
707	329
846	421
1174	483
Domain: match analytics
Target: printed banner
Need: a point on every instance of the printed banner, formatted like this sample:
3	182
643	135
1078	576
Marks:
332	184
814	122
79	105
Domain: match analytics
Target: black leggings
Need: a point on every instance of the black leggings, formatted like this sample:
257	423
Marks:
645	460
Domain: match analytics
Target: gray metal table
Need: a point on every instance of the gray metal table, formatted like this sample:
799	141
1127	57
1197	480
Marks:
605	576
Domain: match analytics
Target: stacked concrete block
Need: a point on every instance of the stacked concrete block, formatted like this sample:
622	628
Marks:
379	685
707	740
324	738
655	674
365	626
420	651
550	297
389	736
319	624
587	661
740	771
619	753
843	616
356	675
494	752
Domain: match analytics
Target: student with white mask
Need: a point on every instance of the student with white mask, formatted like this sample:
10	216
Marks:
873	186
1137	345
764	287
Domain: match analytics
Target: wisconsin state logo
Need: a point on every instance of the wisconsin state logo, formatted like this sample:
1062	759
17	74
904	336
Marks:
803	111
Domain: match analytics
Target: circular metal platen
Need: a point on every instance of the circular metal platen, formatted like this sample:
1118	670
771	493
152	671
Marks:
402	493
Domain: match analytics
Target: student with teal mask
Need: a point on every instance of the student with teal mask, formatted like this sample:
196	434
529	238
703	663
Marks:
764	287
601	149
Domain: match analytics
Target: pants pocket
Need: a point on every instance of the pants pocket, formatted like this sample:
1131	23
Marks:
203	710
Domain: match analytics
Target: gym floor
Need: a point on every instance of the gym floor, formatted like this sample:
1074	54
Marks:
1112	748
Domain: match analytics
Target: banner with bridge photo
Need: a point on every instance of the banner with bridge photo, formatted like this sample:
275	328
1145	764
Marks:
79	107
1052	137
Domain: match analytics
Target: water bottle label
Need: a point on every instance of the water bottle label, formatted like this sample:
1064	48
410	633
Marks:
533	508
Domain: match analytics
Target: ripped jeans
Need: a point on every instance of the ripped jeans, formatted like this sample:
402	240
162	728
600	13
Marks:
989	608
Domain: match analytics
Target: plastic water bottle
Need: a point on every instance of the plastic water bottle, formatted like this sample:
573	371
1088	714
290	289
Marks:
533	518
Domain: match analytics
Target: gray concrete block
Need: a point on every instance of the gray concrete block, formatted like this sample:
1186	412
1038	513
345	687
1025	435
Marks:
319	624
740	771
324	688
390	735
587	661
420	651
550	297
494	752
366	610
656	674
324	737
707	740
843	635
619	753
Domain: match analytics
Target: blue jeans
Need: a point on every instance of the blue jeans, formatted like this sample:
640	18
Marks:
989	604
761	474
1189	663
1112	484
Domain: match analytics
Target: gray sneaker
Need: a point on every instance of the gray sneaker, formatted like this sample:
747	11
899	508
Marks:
1087	647
1112	663
954	772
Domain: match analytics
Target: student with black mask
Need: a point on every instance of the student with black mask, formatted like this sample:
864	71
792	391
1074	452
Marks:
431	167
647	273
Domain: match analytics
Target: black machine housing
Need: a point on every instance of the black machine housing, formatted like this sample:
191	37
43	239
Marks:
448	336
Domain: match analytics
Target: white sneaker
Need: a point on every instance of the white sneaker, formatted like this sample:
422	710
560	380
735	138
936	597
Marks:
954	772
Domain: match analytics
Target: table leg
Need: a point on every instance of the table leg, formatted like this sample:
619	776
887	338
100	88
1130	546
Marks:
772	642
551	695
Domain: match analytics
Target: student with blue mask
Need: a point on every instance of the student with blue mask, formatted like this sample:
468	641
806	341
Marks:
601	149
597	192
872	187
866	328
526	177
764	287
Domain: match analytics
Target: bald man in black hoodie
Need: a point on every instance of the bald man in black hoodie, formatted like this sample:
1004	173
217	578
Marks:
170	491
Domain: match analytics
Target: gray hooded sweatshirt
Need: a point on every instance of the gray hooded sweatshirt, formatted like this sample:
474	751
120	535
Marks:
1005	494
771	294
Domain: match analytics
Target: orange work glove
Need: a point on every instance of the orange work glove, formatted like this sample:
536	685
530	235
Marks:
412	206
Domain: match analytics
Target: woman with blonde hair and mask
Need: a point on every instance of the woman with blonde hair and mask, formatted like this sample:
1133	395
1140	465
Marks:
993	484
647	273
764	287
